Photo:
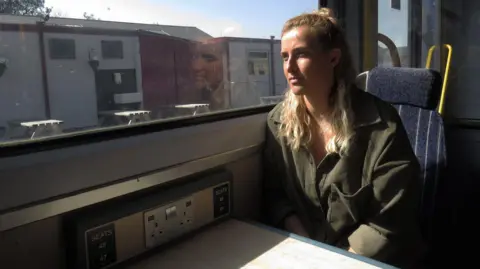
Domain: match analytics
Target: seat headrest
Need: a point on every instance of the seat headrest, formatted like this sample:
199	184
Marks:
418	87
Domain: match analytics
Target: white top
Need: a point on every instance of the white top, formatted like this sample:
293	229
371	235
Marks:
40	122
191	105
130	113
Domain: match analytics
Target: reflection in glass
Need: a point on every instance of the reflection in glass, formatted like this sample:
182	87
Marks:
68	66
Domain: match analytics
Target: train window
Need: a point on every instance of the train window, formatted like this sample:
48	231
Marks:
179	60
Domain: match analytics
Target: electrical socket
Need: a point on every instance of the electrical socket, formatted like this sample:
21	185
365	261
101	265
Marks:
169	221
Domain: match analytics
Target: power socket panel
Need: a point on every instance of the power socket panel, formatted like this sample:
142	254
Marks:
169	221
110	233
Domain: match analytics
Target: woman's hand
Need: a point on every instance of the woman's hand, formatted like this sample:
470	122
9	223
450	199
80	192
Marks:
294	225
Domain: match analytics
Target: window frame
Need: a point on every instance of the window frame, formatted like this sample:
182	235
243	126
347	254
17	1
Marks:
17	148
51	175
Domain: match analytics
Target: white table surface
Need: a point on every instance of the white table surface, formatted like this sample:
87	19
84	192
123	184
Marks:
237	244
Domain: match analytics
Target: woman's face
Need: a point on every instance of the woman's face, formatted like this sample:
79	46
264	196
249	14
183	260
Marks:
207	66
308	69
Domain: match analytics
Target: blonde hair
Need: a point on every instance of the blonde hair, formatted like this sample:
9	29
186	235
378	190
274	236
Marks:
294	115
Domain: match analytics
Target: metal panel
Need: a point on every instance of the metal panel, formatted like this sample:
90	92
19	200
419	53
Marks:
43	175
49	209
350	16
370	32
21	94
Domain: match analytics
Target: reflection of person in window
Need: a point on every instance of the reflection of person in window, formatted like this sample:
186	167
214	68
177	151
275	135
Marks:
208	74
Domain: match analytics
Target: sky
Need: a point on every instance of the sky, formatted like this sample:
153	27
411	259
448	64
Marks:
245	18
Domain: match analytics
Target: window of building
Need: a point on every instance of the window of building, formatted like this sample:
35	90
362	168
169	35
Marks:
112	49
60	48
258	63
396	4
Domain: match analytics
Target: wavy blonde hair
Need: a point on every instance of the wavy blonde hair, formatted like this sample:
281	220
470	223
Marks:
294	115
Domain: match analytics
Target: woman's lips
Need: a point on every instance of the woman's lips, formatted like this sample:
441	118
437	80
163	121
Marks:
294	80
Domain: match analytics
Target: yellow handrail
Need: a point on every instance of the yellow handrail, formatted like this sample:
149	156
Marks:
447	69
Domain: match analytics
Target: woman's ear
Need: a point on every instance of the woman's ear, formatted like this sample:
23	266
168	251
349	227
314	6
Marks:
335	55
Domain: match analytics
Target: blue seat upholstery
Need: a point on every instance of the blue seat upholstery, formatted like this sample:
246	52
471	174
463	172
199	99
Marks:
415	94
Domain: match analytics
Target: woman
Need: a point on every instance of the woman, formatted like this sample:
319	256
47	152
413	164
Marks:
339	166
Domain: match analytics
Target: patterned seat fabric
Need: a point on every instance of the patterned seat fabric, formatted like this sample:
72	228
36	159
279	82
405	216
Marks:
415	93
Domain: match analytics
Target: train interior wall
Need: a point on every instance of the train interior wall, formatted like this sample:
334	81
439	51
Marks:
459	194
42	244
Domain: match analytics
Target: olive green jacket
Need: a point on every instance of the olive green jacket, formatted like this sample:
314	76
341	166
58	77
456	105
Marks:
366	198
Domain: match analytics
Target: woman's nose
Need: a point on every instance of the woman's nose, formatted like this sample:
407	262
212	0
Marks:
290	65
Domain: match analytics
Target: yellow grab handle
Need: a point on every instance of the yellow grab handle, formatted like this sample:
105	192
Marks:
447	69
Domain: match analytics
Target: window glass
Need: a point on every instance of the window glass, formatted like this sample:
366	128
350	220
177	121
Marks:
396	4
67	66
112	49
393	27
61	48
258	63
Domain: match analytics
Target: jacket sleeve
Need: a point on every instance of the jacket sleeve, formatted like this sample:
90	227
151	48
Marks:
277	205
392	217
